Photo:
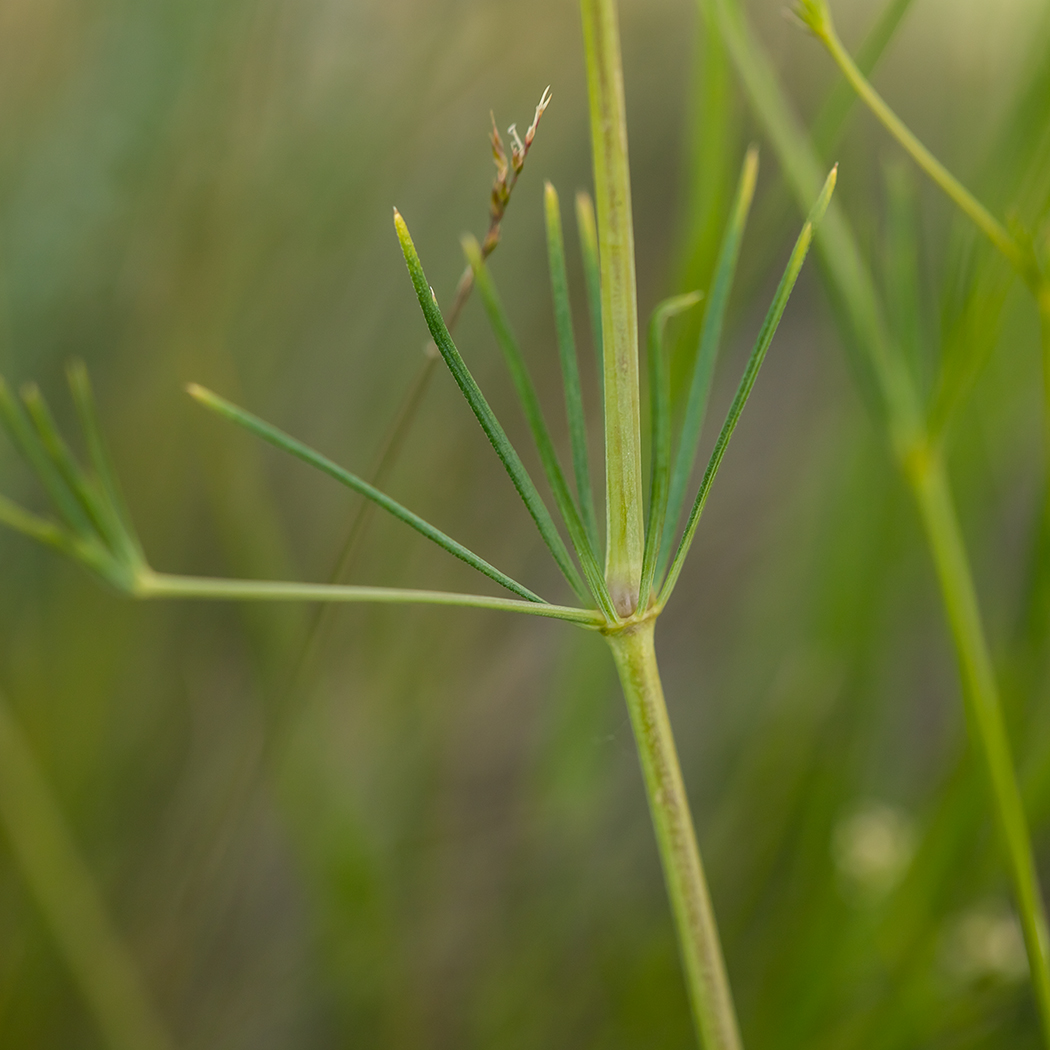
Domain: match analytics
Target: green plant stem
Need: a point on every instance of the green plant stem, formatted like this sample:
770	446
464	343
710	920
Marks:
160	585
612	187
824	29
926	473
705	971
68	898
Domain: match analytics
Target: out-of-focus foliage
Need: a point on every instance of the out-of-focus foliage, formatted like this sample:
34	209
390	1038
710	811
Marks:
434	834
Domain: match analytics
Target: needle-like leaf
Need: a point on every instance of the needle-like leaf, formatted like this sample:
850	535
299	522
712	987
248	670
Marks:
24	438
765	337
84	401
485	416
570	369
91	501
660	424
287	443
587	227
161	585
707	355
530	404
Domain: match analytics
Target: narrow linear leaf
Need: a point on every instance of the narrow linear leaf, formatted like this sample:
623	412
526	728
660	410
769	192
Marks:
161	585
511	461
660	423
570	369
765	337
24	438
101	462
90	500
537	425
284	441
707	355
587	227
36	528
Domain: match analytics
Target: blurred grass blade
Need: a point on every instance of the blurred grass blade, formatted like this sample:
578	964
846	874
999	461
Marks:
161	585
94	506
36	528
24	438
570	368
296	448
102	464
854	296
903	272
66	894
660	426
707	355
830	120
765	337
816	15
485	416
537	425
588	233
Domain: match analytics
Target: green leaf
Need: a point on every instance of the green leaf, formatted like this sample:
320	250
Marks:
537	425
707	355
102	464
289	444
24	438
570	369
90	499
588	233
660	422
485	416
765	337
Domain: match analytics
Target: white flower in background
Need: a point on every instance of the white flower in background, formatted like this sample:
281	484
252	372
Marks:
985	942
872	848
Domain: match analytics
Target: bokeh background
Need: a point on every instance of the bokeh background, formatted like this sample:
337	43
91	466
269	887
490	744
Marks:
433	833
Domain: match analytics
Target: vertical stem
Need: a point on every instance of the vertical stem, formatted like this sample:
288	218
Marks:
705	971
984	712
612	188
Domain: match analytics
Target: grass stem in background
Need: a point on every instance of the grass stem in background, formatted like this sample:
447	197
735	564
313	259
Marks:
66	893
923	467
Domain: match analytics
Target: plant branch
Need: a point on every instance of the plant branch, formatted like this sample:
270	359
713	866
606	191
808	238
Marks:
161	585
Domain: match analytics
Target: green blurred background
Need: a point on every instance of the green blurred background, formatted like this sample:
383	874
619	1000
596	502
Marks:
435	835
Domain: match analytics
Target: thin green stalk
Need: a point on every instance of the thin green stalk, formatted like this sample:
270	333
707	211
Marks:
707	354
530	404
849	279
758	353
705	972
817	17
623	449
929	482
68	898
660	428
484	414
161	585
588	231
285	442
570	369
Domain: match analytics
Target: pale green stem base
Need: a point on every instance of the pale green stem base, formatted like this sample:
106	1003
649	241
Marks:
705	971
928	479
